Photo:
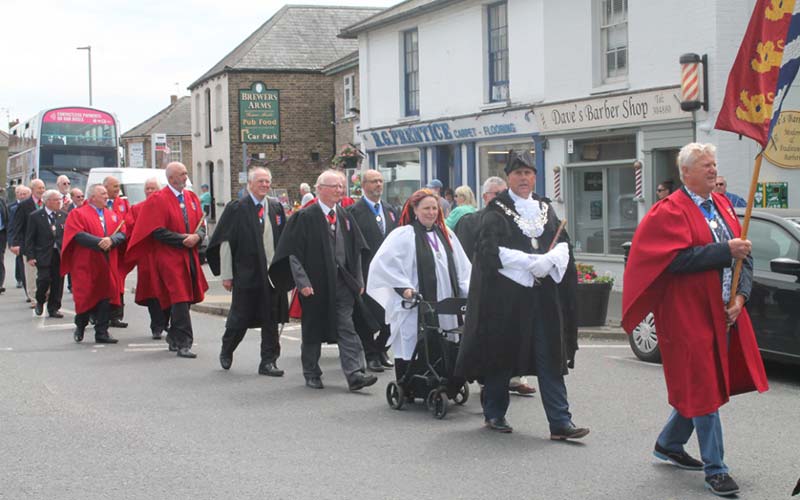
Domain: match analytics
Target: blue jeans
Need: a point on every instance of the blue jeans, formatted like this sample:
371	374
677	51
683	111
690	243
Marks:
678	430
552	389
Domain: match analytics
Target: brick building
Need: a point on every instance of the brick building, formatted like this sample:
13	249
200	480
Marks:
174	125
276	78
344	75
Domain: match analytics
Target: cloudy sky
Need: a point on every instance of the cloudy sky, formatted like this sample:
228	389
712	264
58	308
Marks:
142	51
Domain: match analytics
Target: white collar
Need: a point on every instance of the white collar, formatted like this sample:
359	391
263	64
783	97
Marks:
519	199
325	208
174	191
48	211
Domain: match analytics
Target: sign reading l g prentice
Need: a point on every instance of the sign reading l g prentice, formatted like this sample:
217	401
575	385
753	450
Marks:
615	110
259	114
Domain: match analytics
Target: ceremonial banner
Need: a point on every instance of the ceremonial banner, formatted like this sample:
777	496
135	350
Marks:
764	69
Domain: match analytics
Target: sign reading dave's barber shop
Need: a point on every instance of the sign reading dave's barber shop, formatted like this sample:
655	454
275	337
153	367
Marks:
615	110
259	114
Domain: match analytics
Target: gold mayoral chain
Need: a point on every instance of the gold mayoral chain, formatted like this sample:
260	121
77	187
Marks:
530	228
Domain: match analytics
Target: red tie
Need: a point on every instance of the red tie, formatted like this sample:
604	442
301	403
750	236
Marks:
39	203
260	213
331	217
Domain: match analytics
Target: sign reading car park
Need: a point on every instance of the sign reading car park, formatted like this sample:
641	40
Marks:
259	114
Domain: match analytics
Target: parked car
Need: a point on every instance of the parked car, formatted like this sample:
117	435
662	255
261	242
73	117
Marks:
774	304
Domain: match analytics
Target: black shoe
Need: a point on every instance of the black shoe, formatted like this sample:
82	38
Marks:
358	381
105	339
186	352
117	323
314	383
172	347
77	335
570	432
270	369
55	314
19	284
722	484
375	366
225	361
499	425
38	309
2	290
386	362
677	458
156	335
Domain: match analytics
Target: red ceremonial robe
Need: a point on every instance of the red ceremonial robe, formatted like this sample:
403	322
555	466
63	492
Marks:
121	206
702	369
172	282
95	274
146	271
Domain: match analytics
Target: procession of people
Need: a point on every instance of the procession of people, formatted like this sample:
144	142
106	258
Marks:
360	271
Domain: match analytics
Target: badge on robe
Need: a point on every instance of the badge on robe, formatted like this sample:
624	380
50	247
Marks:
347	223
391	214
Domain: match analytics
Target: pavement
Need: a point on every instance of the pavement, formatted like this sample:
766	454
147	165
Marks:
218	302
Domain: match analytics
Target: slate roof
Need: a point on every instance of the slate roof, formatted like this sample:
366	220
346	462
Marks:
175	119
346	62
403	10
296	38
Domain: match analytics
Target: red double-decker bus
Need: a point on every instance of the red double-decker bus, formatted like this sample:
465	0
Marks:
69	141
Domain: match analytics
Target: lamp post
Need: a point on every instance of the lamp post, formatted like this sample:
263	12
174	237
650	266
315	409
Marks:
88	48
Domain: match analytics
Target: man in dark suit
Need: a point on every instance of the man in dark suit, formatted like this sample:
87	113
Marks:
4	226
22	193
43	237
241	250
24	209
376	219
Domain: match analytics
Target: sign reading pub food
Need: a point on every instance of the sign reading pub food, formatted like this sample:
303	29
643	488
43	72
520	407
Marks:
259	114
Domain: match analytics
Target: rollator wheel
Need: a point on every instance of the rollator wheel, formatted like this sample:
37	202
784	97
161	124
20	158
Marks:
439	404
429	400
462	395
395	395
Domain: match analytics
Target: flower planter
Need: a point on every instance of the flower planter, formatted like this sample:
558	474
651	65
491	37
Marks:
350	161
592	304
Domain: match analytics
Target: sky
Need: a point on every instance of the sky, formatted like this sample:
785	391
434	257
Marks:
143	51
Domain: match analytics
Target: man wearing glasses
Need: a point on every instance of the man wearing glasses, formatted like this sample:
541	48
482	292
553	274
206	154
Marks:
721	187
63	185
320	253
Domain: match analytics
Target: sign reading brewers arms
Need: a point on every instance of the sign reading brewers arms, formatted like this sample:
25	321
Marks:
612	111
259	114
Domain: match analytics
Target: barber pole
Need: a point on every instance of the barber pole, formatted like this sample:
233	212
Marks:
693	80
637	170
557	184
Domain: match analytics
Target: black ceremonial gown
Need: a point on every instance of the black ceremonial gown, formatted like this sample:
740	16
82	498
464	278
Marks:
306	237
255	303
498	331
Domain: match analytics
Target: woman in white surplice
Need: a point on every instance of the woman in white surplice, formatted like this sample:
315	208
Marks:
421	256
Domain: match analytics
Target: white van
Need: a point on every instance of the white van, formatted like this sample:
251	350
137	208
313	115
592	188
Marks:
131	180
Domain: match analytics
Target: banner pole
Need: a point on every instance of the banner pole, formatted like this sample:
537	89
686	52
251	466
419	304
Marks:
737	270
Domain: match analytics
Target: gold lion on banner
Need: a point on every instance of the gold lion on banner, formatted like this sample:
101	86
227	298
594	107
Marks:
757	109
769	56
779	8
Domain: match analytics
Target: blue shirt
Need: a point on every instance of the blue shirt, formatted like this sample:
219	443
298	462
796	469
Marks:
736	200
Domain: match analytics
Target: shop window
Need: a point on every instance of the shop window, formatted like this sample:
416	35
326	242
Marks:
493	158
207	125
604	214
411	72
614	40
606	149
401	174
174	145
497	17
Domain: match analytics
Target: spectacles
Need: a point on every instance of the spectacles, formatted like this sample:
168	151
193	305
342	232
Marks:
720	184
662	190
340	186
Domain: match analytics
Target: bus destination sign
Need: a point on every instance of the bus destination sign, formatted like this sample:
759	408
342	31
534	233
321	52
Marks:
259	114
78	115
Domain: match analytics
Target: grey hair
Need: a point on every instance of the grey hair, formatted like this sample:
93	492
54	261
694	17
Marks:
493	181
51	193
305	188
90	191
689	154
153	179
251	174
21	188
328	173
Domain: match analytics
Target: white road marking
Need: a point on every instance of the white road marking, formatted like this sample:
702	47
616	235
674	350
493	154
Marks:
145	349
154	344
290	338
59	326
6	348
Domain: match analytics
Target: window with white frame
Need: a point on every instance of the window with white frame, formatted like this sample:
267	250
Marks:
614	40
497	21
411	72
207	116
174	144
349	101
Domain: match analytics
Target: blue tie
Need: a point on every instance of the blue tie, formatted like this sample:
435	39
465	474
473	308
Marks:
183	209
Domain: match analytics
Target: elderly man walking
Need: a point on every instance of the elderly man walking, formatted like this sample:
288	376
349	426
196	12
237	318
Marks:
43	238
241	250
680	268
320	252
119	205
25	208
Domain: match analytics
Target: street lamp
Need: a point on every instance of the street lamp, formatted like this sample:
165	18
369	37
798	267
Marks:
88	48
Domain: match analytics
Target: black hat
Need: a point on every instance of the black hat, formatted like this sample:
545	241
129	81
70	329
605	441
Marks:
522	159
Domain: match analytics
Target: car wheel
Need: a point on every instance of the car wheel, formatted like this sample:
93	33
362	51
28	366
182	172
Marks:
644	341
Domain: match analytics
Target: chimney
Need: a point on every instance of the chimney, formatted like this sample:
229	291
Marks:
173	99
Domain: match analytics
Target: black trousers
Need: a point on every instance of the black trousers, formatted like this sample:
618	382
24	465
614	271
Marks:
100	312
270	342
50	284
118	312
3	241
19	269
180	328
159	318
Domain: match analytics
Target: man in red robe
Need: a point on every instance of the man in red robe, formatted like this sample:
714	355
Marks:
148	294
171	225
120	206
92	235
680	268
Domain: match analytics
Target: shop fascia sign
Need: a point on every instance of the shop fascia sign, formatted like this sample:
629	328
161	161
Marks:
471	128
612	111
783	149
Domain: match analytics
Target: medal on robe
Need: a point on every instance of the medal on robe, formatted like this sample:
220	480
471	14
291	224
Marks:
434	243
535	243
712	224
378	218
183	206
53	228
